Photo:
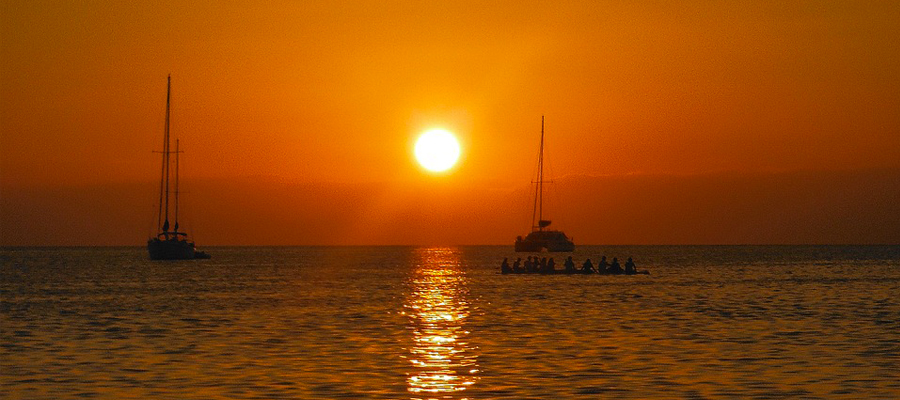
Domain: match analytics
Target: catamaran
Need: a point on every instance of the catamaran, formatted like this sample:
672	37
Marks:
541	238
170	243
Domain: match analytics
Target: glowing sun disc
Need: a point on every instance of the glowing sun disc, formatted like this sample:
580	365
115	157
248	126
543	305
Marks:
437	150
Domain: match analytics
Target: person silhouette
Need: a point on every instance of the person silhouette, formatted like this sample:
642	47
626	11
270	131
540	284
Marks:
570	265
603	265
550	266
587	267
629	267
504	266
615	268
517	266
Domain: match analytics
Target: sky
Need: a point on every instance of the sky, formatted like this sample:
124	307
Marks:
328	97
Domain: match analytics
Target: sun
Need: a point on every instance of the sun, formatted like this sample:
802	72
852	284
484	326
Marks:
437	150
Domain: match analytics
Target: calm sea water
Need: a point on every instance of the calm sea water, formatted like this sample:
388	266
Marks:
422	323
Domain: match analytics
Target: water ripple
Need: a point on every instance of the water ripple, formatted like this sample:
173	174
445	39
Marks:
398	322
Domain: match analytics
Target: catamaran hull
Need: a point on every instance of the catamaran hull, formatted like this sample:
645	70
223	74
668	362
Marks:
527	247
530	247
170	249
561	248
552	241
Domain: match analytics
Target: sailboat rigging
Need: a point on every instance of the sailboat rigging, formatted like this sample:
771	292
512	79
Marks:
170	244
541	238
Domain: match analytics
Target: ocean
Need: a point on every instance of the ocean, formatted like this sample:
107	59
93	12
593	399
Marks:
709	322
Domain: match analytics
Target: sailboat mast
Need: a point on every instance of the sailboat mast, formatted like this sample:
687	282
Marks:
176	186
537	190
541	178
162	180
166	151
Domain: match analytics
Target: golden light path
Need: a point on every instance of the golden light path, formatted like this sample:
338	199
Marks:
437	150
443	363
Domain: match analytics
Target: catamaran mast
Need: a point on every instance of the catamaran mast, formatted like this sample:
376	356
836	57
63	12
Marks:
166	152
176	187
538	210
163	213
541	179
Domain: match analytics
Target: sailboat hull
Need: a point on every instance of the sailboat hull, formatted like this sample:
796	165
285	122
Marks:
170	249
552	241
528	246
561	247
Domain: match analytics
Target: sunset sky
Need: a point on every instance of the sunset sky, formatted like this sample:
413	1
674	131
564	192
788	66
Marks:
321	99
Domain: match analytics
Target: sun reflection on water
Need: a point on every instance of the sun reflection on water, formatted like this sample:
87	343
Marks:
444	364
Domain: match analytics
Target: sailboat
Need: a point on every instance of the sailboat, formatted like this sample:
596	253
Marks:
170	243
540	237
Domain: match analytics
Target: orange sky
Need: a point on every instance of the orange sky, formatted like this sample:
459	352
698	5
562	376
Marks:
335	92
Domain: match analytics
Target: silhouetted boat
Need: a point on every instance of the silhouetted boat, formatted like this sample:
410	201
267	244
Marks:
170	243
575	272
540	238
